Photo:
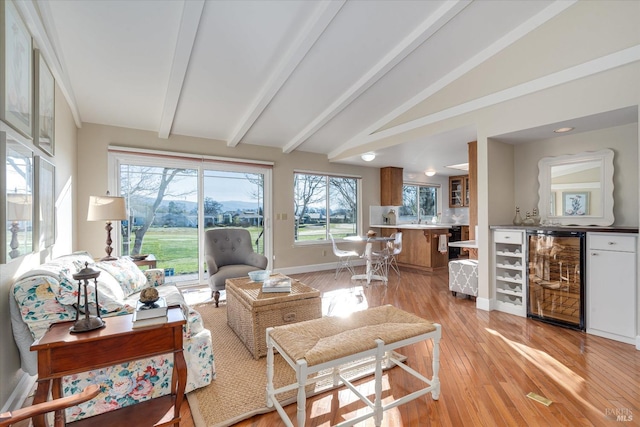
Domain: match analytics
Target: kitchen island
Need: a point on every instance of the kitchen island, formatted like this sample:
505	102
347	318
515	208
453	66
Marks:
420	244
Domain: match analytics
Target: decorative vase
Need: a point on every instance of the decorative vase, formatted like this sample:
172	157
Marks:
517	220
527	220
535	217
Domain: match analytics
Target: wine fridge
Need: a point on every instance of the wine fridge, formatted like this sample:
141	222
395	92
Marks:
556	282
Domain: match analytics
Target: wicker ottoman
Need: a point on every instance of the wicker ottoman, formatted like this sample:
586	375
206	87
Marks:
250	311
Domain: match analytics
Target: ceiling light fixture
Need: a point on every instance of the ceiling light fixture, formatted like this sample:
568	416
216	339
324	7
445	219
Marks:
430	173
563	130
367	157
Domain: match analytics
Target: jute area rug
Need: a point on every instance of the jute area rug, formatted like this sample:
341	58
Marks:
239	390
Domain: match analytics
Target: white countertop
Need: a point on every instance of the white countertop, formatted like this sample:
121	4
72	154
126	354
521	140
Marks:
464	244
417	226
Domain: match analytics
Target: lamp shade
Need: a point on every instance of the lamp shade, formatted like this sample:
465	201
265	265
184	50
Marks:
106	208
19	207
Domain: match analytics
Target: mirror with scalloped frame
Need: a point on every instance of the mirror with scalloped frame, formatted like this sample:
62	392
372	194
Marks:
576	189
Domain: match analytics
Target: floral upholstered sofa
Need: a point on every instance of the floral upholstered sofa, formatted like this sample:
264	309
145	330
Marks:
48	294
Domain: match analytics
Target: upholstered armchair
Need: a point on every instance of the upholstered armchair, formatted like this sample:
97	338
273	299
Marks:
229	254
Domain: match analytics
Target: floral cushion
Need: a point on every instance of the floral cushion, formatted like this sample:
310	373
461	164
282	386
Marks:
111	297
130	277
38	305
121	385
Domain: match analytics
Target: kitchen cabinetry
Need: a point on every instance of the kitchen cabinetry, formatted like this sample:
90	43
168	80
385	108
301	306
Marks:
611	286
391	186
509	271
459	191
420	248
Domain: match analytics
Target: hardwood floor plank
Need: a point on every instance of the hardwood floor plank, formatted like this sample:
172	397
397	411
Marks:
489	362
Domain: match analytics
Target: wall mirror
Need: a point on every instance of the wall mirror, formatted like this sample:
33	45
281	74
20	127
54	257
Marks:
16	188
577	189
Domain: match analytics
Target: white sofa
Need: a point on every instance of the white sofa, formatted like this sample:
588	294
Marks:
47	294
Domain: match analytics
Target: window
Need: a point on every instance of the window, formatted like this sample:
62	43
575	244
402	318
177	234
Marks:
325	204
172	200
419	203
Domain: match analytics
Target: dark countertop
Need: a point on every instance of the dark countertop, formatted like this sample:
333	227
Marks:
593	229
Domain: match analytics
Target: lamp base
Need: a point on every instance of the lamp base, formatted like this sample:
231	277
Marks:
87	324
108	258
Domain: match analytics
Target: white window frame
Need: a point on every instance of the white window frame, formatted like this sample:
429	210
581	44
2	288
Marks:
359	218
142	157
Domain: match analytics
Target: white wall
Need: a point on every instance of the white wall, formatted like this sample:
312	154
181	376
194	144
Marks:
623	140
93	141
65	163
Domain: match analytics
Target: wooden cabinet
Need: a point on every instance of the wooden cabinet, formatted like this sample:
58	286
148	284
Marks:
61	353
391	186
611	286
420	248
459	191
509	271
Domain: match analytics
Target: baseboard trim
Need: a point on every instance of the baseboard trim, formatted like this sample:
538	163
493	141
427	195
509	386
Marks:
638	342
483	304
313	267
20	393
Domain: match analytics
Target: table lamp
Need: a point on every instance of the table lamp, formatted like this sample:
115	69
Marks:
107	208
18	209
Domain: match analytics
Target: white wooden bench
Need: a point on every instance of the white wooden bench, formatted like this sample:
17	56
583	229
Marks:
327	344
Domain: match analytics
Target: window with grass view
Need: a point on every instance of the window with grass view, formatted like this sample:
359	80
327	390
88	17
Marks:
419	203
171	203
325	204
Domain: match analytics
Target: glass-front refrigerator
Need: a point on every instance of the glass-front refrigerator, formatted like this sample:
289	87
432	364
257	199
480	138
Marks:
556	283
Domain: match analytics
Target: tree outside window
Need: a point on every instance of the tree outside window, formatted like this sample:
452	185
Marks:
419	203
325	204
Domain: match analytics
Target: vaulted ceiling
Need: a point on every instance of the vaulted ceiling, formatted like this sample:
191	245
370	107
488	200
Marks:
316	76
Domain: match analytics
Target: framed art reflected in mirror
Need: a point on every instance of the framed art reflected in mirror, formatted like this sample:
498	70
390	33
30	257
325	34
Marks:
16	195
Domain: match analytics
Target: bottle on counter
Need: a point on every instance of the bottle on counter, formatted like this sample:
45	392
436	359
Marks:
391	217
517	220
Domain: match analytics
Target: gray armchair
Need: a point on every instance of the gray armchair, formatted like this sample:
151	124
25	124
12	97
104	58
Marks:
229	254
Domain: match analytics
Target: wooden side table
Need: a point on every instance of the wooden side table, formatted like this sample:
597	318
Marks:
149	261
61	353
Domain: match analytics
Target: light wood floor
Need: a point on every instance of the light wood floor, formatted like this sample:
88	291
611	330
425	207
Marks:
489	362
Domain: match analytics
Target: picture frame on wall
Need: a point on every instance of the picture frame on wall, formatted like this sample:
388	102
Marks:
16	70
16	196
44	208
575	203
44	120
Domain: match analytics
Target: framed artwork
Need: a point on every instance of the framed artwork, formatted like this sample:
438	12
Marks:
45	209
16	68
44	120
575	203
16	196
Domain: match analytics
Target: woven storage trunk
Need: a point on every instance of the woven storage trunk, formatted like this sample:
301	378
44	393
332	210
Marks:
250	311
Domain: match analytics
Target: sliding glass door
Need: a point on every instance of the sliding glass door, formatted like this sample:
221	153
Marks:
172	202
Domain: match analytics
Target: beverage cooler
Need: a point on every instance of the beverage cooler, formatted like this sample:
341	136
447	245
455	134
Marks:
556	282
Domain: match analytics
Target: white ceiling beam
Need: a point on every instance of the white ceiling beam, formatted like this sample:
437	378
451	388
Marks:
191	14
315	26
418	36
32	14
531	24
586	69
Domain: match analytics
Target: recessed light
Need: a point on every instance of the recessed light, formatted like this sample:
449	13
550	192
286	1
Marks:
460	166
563	130
367	157
430	173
